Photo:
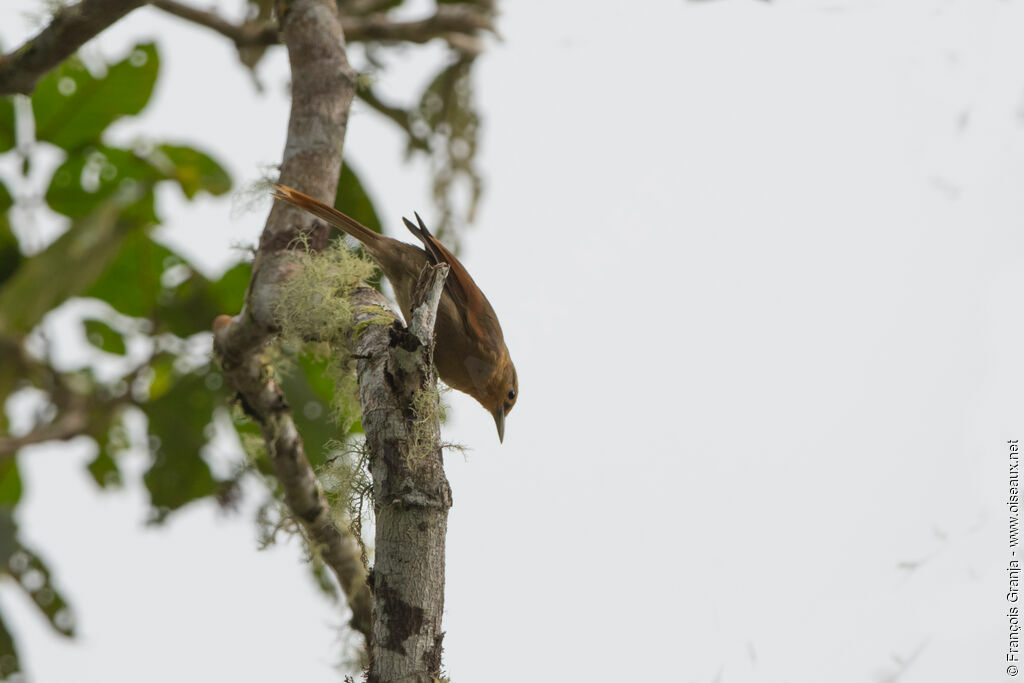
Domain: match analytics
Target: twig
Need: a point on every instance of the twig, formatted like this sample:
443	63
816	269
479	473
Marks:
73	26
465	20
70	28
397	114
75	412
458	24
424	313
67	426
248	34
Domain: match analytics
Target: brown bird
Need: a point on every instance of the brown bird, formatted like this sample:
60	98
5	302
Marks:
470	353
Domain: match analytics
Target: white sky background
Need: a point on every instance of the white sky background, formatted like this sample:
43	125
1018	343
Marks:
757	265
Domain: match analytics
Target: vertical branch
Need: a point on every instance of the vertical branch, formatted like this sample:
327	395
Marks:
323	86
398	391
397	380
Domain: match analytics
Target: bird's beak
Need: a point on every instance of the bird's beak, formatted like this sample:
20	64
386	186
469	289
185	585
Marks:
499	420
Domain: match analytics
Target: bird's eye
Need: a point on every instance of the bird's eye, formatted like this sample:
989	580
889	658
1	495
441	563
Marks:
511	394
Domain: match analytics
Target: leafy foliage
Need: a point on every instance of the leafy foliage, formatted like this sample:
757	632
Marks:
352	199
104	337
27	569
443	125
107	197
193	170
447	109
177	422
72	107
7	139
10	253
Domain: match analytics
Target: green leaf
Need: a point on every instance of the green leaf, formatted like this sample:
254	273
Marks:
104	470
448	109
9	663
310	389
107	430
104	337
7	131
12	372
66	268
249	432
229	290
353	199
10	482
131	282
8	534
316	372
195	171
189	307
177	431
72	108
164	376
88	179
10	251
29	570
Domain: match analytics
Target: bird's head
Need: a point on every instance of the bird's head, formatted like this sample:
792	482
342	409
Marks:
501	393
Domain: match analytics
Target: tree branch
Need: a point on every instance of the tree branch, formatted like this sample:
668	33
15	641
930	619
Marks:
248	34
424	316
397	114
462	20
458	24
70	28
76	412
246	368
398	392
323	86
401	618
67	426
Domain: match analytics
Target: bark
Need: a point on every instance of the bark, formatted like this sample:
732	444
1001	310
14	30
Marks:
323	85
398	391
263	400
70	28
457	24
401	620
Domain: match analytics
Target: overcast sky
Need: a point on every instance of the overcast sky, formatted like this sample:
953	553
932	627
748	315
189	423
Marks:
758	267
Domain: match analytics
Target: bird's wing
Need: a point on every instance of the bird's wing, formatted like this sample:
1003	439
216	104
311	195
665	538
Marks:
460	285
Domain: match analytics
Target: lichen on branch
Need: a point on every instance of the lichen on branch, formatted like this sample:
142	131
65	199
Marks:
314	314
312	304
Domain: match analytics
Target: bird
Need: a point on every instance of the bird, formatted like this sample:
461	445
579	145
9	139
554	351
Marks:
470	352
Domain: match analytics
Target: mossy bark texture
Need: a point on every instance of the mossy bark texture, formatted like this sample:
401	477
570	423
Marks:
401	619
323	86
411	493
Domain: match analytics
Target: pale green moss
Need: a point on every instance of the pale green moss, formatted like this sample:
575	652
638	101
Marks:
274	518
254	447
425	409
345	407
313	303
377	316
314	315
347	487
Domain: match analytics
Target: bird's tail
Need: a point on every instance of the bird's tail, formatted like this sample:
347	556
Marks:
346	224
